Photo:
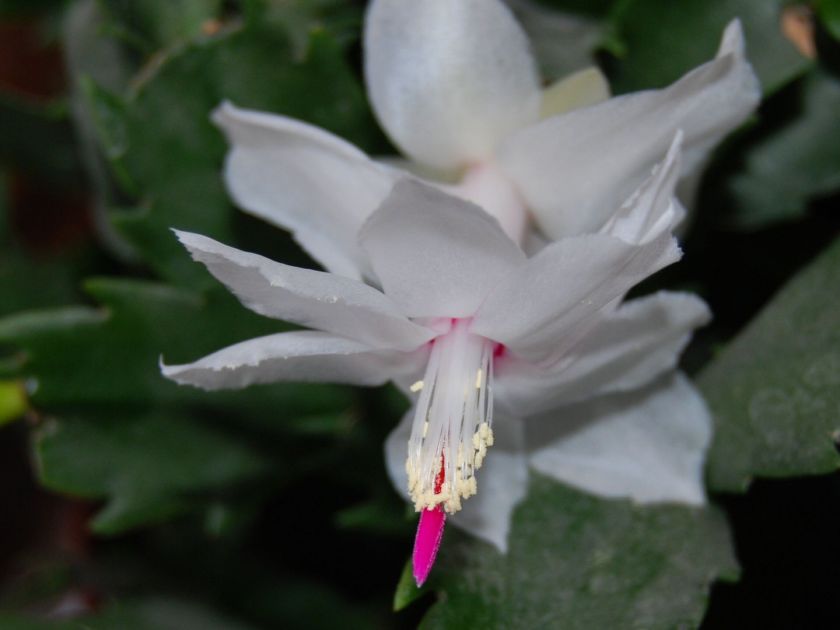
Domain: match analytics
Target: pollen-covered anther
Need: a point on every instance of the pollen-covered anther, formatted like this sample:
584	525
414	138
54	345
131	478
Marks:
452	423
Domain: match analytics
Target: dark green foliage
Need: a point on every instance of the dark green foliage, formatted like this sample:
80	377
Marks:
663	40
775	390
579	562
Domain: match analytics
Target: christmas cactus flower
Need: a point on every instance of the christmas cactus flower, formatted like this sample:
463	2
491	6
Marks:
455	86
512	361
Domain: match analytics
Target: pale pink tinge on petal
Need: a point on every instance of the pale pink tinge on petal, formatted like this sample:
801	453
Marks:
487	186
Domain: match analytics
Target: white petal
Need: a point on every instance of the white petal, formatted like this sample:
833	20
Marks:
502	480
652	209
582	89
648	445
396	454
305	180
315	299
436	255
447	79
575	169
534	242
405	166
489	188
627	349
544	307
304	356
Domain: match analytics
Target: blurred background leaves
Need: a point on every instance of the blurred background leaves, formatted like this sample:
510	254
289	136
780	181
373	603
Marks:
167	507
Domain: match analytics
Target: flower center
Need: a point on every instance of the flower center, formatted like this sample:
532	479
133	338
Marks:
452	421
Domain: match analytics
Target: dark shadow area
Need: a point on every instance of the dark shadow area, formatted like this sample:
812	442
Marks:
787	541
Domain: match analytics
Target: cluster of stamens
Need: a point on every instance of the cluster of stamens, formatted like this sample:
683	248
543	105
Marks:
454	414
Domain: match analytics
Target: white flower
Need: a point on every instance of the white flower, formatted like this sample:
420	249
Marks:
483	337
454	84
536	357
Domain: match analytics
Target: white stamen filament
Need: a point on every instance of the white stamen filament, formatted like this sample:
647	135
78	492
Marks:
453	420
